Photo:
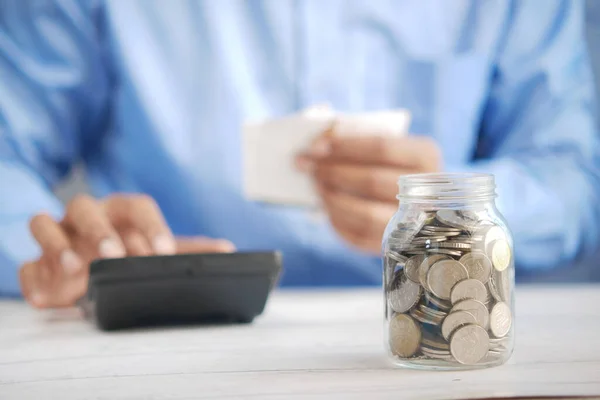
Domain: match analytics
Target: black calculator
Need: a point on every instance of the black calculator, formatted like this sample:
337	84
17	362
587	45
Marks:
180	289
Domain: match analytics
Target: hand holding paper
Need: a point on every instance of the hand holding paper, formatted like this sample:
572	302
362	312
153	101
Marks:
349	163
356	180
271	147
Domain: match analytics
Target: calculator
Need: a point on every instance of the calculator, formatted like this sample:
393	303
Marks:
180	289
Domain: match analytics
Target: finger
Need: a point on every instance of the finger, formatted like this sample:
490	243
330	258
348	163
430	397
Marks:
362	221
55	245
376	183
87	219
203	245
136	244
142	214
411	152
33	286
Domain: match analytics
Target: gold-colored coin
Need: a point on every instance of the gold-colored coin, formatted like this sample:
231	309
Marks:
501	254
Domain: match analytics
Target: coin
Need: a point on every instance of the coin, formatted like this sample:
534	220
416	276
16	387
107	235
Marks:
428	232
490	233
501	254
469	289
478	266
394	255
448	252
439	303
454	320
405	335
425	318
444	229
415	252
411	268
404	294
443	275
426	265
424	240
453	245
500	319
452	218
434	352
477	308
469	344
432	312
435	344
500	285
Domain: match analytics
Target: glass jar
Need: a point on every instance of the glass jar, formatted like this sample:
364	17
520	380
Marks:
448	274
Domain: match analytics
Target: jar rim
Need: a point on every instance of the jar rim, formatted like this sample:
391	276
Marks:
453	186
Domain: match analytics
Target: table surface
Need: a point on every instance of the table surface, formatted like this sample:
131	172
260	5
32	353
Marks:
307	344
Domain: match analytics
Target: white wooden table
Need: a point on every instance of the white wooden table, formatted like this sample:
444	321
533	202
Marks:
317	345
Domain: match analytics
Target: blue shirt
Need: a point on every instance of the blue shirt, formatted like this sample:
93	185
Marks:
150	96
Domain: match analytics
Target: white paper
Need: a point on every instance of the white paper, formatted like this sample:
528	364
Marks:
270	147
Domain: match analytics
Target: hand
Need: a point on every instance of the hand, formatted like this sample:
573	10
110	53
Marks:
118	226
357	180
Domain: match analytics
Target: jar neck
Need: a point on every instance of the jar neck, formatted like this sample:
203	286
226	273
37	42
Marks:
447	189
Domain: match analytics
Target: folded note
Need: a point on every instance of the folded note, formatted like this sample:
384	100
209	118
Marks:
269	149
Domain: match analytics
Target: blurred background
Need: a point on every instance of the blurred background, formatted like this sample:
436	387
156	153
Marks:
201	69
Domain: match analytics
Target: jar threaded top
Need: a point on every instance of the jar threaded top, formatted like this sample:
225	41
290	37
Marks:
447	187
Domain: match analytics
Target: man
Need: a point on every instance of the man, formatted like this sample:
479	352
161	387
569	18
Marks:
150	96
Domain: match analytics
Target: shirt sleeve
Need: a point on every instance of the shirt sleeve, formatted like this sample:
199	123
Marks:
538	135
53	88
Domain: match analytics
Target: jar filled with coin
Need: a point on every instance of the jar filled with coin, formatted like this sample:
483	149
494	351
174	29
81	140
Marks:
448	274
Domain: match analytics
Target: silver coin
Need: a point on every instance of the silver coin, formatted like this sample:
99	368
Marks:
477	308
404	295
426	265
431	311
403	235
435	352
435	345
394	255
469	289
424	240
441	228
439	303
415	252
453	245
428	232
435	356
443	275
471	239
469	344
425	318
411	268
453	218
454	320
448	252
500	319
500	285
478	265
469	215
404	335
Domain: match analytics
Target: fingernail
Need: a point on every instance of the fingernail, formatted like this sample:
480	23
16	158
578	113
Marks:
304	165
109	248
320	148
226	246
70	262
164	244
37	299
